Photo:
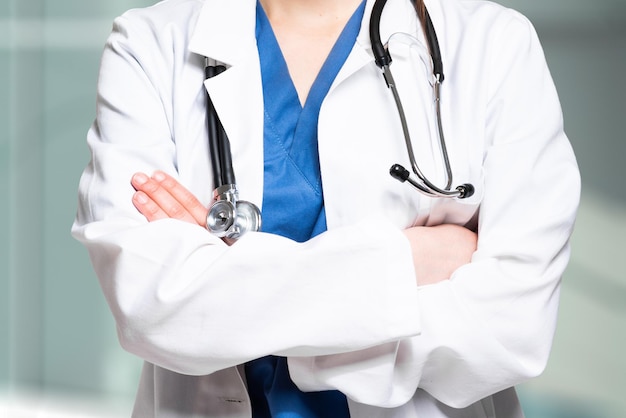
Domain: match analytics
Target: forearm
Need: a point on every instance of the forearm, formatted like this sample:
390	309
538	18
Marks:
439	250
186	302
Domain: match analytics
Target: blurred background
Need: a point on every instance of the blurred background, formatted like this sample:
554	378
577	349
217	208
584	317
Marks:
59	355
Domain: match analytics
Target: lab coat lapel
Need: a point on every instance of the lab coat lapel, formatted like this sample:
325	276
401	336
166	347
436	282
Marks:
225	31
361	54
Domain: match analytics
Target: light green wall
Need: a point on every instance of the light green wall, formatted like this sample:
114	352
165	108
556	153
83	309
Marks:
56	331
4	190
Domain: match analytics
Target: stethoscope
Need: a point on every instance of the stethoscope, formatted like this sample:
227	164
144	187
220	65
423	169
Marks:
229	217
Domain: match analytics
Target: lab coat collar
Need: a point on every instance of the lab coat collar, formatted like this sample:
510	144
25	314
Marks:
225	31
404	20
361	54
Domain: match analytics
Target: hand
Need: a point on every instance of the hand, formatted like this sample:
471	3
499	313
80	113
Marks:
439	250
161	196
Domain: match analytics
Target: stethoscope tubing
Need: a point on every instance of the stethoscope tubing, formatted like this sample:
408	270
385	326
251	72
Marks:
219	145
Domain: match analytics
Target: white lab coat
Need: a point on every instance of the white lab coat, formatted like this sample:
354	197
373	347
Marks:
343	307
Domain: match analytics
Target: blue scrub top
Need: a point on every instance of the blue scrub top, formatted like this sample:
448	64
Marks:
293	204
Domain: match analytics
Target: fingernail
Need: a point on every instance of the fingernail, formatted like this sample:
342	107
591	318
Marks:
140	178
158	176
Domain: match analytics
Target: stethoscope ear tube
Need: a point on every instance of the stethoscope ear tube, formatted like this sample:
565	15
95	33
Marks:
381	55
433	45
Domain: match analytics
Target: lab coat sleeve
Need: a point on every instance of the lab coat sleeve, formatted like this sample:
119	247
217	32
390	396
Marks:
491	325
184	300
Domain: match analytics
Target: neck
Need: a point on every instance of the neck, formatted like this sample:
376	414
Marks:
306	30
309	10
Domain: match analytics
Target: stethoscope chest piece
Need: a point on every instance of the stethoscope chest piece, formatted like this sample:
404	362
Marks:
229	217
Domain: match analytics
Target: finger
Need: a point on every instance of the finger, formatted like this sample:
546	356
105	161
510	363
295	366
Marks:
161	197
147	207
187	199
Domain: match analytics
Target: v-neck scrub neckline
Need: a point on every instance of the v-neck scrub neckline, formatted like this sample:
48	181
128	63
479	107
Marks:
292	194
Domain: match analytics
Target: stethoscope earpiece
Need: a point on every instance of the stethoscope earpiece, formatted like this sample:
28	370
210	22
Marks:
399	173
465	190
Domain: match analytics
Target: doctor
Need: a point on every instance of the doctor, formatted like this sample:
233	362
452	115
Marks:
359	297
